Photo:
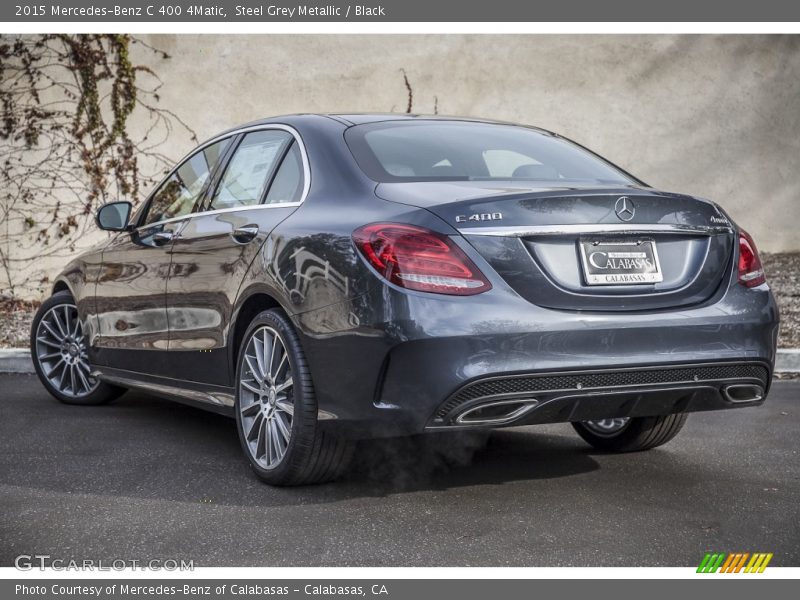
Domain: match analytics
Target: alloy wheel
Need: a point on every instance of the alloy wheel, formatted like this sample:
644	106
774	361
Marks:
266	397
607	427
61	352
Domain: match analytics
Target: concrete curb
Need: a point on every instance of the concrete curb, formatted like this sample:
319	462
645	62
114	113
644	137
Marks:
788	361
18	360
15	360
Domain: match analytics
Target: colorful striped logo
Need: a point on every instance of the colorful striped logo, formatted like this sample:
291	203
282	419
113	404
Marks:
743	562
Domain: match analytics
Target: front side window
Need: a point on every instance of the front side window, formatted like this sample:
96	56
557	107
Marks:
466	151
250	169
177	195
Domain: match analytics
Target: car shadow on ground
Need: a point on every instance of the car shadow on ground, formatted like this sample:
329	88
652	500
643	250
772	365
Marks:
445	460
384	467
143	446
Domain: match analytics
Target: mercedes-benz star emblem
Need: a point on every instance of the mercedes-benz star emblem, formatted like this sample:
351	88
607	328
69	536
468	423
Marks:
624	208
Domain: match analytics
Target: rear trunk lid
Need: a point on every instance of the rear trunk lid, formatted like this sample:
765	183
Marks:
600	249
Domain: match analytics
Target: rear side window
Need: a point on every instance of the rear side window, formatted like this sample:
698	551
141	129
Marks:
177	195
466	151
250	169
288	183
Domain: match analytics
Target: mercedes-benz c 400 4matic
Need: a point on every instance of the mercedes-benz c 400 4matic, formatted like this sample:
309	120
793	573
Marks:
325	278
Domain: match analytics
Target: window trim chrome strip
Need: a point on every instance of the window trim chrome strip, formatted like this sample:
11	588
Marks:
217	212
230	134
595	229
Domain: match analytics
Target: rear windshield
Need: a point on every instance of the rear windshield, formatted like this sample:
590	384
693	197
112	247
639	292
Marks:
464	151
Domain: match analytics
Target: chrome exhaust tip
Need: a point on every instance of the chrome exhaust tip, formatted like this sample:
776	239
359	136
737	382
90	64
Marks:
739	393
497	412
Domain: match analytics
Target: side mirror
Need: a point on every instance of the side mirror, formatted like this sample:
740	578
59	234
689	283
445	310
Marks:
114	216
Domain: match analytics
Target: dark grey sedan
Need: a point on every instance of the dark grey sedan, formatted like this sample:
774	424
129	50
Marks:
325	278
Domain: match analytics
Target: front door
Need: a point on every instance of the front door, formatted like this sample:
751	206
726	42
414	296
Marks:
133	333
261	185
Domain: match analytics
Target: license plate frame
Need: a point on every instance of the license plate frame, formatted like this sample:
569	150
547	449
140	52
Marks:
620	262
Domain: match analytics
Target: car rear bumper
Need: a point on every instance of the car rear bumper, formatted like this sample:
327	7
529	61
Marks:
395	363
598	394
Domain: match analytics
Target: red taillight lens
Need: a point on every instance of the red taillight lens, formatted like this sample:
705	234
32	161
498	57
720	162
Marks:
419	259
751	273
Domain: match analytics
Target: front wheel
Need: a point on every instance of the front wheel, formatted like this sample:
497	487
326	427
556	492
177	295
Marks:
59	354
276	409
630	434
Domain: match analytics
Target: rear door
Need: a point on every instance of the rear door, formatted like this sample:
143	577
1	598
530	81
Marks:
131	289
262	183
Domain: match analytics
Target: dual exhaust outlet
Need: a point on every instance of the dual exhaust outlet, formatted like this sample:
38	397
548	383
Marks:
743	392
498	412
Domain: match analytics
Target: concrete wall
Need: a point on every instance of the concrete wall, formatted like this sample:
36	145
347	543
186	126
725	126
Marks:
717	116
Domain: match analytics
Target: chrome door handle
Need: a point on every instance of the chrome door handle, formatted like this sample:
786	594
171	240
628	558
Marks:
163	237
245	234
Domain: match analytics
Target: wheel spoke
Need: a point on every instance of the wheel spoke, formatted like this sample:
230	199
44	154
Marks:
285	406
47	342
84	381
254	426
272	353
250	409
62	378
261	443
250	387
72	385
67	320
267	443
255	369
266	359
57	321
278	369
258	347
55	367
276	444
284	386
282	426
52	331
50	356
77	330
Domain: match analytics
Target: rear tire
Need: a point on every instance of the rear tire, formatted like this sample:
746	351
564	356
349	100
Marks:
276	409
59	354
639	433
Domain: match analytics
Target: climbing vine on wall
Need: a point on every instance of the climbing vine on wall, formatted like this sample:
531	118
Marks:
80	125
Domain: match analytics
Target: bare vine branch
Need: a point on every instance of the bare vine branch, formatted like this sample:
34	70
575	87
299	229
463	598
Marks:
67	104
409	90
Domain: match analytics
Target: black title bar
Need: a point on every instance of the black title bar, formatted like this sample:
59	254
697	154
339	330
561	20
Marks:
12	11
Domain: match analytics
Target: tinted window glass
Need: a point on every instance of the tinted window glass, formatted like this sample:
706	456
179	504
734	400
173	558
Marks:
441	150
288	183
178	194
249	170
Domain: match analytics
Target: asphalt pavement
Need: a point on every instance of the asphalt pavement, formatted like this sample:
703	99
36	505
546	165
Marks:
145	478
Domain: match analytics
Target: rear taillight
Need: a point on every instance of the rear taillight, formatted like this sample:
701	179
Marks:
419	259
751	273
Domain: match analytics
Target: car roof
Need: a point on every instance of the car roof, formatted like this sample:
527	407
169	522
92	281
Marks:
363	118
352	119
